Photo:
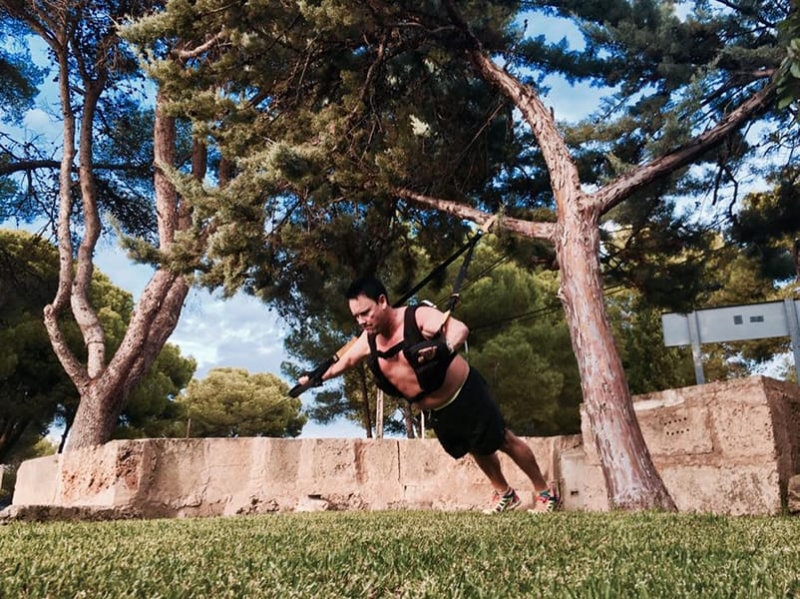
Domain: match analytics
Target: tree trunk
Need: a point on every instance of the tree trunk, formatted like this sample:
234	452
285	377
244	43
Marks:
103	395
103	386
104	398
631	478
408	418
365	409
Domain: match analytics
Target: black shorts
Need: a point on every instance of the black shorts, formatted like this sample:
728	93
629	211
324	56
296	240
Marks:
472	422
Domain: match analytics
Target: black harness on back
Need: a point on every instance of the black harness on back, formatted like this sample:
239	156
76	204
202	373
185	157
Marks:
430	373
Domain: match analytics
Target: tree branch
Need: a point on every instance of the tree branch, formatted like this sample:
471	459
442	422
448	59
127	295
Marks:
622	187
195	52
27	166
533	230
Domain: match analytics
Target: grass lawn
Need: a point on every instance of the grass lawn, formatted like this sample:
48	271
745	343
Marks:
405	554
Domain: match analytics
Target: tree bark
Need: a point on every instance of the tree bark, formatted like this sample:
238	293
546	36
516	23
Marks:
631	478
157	311
90	55
365	409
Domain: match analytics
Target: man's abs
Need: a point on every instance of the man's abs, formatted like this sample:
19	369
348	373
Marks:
454	380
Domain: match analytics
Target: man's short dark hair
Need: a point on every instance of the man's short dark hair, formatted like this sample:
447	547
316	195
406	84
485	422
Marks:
370	287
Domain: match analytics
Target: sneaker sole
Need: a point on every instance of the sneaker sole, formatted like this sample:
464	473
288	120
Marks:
510	508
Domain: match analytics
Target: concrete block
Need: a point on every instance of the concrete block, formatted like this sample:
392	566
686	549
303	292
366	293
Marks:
572	479
731	490
743	430
675	430
37	481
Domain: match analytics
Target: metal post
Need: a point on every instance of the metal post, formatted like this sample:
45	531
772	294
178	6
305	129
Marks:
697	356
794	332
379	415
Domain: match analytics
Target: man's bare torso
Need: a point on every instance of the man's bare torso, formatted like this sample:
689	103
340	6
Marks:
400	373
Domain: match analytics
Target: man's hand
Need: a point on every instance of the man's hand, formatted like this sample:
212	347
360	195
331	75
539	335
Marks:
310	379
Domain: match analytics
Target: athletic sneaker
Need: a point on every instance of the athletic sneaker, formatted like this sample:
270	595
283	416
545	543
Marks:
545	502
503	503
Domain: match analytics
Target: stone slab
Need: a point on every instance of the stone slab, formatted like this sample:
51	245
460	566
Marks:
207	477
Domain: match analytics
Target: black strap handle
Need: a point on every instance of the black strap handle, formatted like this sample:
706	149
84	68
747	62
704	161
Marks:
314	377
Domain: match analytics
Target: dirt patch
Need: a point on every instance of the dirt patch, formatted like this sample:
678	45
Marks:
51	513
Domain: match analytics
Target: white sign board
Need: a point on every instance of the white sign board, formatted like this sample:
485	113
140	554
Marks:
733	323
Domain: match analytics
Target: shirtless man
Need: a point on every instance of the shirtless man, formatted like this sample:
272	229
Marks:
412	351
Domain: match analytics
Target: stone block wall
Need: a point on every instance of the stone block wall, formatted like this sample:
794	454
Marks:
727	448
208	477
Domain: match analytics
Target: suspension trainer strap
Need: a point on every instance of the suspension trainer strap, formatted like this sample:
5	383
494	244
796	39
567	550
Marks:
315	376
462	273
467	247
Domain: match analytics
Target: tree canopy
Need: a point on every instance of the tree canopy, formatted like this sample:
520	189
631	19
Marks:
231	402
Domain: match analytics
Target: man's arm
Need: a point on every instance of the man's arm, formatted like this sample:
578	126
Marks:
348	356
431	322
352	356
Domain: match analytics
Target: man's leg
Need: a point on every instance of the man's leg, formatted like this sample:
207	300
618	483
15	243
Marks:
490	464
523	457
505	498
545	499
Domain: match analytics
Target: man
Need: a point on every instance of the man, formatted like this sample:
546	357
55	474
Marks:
412	351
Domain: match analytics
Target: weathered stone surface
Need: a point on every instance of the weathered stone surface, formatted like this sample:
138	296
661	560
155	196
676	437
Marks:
728	448
793	495
40	477
47	513
207	477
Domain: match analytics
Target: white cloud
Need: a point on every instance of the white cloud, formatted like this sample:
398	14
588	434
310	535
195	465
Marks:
240	332
38	122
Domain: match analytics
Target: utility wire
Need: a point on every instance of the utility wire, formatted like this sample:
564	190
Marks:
537	312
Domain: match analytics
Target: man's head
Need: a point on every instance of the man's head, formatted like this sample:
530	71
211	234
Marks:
368	286
369	304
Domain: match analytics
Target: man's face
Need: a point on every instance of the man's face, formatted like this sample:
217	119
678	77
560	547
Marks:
369	313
